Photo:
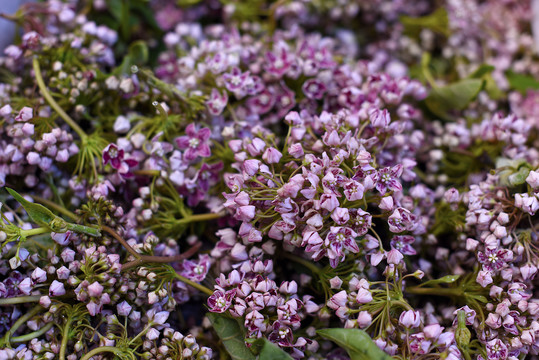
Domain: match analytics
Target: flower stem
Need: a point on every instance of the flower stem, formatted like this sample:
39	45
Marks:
19	300
141	259
102	349
197	286
53	103
309	265
36	231
32	335
65	338
434	291
23	319
201	217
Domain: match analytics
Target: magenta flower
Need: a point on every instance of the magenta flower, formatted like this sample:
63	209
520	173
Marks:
235	80
217	102
220	301
115	156
196	142
410	319
494	259
403	244
389	179
314	89
496	350
340	239
401	220
196	270
361	221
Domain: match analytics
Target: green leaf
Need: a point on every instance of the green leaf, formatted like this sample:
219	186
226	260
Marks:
448	279
437	22
232	336
38	213
137	54
356	342
44	217
481	71
454	96
484	72
270	351
521	82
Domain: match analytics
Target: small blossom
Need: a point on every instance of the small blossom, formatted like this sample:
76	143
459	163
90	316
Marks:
196	142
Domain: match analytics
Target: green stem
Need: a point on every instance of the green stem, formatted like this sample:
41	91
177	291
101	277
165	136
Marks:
401	304
147	172
65	338
102	349
309	265
20	321
36	231
199	287
201	217
20	300
32	335
53	103
434	291
84	229
141	258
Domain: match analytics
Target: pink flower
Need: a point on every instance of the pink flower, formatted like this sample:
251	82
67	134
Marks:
394	257
379	118
410	319
196	270
340	215
484	278
217	102
220	301
403	244
25	114
235	80
56	289
361	221
496	350
272	155
388	179
494	259
432	331
401	220
314	89
115	156
196	142
353	190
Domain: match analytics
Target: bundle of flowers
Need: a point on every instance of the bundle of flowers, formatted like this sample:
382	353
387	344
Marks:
270	180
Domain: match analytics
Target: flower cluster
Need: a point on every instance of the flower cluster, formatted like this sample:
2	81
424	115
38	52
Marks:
187	179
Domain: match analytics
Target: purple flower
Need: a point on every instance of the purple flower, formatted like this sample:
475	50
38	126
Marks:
196	270
196	142
314	89
235	80
410	319
496	350
403	244
279	61
494	259
401	220
389	179
340	239
360	221
115	156
56	288
217	102
220	301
